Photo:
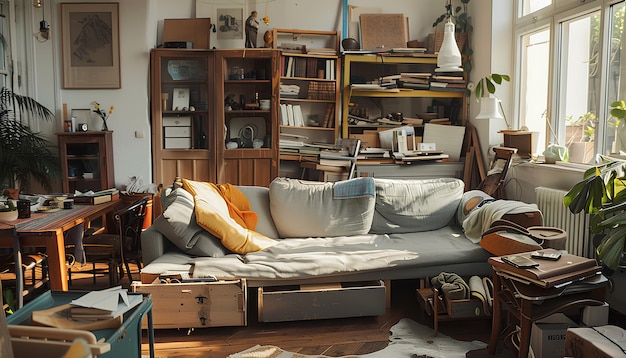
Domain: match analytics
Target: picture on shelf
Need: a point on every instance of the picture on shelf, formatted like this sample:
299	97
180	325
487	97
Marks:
230	24
180	100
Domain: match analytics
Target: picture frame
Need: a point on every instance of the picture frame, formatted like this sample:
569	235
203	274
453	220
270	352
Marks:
230	24
90	45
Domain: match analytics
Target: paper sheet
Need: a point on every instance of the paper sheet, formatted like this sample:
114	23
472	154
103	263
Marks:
449	139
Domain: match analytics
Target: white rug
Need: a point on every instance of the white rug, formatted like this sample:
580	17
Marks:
408	339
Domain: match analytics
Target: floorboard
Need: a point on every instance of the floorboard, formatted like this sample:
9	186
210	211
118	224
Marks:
334	337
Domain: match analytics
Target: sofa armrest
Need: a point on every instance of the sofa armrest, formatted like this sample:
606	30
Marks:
153	245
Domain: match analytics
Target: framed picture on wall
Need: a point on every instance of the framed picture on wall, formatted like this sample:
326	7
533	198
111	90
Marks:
90	45
230	23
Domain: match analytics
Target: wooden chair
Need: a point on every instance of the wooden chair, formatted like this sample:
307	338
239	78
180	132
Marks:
493	184
17	263
120	248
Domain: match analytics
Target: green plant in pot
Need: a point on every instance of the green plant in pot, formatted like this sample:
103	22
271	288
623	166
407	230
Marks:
601	194
24	155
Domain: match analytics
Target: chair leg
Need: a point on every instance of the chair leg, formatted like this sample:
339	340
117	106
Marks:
130	276
93	272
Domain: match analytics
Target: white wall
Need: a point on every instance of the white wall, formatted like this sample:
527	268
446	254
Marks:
140	21
140	25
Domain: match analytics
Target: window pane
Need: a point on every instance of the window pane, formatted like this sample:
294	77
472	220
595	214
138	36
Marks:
530	6
579	86
534	84
615	141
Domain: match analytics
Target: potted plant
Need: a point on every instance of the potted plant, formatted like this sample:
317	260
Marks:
601	194
579	137
8	210
24	155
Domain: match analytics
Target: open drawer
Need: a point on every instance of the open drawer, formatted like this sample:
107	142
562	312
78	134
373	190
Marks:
309	302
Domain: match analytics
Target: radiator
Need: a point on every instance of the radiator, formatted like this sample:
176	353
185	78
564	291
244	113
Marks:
555	214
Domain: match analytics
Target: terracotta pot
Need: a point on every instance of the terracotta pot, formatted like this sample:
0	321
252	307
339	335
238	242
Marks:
11	193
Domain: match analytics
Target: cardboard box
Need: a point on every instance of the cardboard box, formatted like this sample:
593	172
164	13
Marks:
594	342
196	31
547	338
197	304
595	315
177	143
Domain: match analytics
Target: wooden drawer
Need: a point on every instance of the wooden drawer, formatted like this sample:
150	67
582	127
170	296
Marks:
308	302
465	308
197	304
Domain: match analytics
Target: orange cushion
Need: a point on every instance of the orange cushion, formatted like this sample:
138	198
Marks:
212	214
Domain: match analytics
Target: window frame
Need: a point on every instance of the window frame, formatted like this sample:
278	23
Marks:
553	17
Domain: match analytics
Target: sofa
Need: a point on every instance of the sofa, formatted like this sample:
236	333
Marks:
356	230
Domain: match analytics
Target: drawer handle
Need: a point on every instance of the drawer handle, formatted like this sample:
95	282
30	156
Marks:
185	291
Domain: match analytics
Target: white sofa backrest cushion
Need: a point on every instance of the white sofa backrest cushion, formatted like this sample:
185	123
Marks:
415	205
178	224
313	209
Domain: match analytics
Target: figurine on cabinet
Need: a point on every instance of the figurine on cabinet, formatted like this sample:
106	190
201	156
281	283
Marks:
252	29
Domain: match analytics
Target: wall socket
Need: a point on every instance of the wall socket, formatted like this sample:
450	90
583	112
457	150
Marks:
138	134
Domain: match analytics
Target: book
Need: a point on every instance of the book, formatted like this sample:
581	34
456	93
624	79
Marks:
104	304
92	199
336	162
328	115
555	281
567	263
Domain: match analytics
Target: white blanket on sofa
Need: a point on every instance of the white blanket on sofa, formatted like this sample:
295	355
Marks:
301	258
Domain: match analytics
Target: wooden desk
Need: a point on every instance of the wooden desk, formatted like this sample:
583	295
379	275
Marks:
46	230
529	303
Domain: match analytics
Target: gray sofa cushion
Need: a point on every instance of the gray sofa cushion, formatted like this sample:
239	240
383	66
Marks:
415	205
310	209
259	198
178	224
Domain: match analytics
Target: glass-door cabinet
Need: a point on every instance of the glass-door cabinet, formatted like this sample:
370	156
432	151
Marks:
246	86
183	132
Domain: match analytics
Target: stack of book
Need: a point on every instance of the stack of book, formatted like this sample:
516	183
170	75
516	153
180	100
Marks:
566	270
344	155
448	82
102	305
303	67
98	197
419	81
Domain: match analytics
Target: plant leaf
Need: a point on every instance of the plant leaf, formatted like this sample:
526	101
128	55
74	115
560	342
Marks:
496	78
490	86
611	249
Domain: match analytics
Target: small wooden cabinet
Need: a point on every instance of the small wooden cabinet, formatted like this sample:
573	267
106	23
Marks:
183	133
86	160
204	100
246	93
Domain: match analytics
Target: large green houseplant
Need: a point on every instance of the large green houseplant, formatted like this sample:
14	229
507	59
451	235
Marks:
24	155
601	194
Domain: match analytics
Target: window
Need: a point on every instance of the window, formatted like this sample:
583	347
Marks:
566	99
531	6
534	87
5	73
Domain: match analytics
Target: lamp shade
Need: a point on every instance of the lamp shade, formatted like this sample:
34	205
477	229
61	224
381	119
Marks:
449	57
489	108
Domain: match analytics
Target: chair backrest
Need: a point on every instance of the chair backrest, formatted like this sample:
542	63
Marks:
129	224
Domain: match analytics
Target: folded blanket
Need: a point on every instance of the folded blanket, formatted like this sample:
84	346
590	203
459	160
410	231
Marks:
479	220
451	285
355	188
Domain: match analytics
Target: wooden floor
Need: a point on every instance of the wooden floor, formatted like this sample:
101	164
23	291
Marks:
335	337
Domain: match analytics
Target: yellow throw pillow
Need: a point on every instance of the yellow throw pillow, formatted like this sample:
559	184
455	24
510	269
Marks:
212	215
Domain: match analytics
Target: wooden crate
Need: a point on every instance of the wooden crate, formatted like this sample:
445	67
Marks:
197	304
309	302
